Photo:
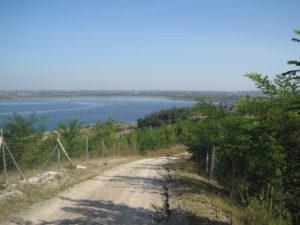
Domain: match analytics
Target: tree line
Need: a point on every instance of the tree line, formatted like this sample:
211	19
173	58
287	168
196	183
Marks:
31	145
167	116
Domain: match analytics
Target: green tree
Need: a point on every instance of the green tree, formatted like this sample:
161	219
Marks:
282	118
24	136
71	136
105	132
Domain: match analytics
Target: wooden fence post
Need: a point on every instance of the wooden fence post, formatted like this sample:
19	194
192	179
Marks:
212	163
134	149
207	163
100	150
106	152
118	149
103	148
233	169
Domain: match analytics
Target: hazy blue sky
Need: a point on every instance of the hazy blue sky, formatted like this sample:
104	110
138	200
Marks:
144	44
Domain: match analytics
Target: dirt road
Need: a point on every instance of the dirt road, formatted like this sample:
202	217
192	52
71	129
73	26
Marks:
122	195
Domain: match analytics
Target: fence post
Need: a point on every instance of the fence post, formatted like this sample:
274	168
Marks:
13	159
106	152
118	148
58	152
100	150
4	147
87	148
134	148
233	169
3	158
207	163
212	163
61	147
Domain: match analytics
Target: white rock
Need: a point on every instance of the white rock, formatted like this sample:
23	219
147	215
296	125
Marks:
81	167
43	178
15	193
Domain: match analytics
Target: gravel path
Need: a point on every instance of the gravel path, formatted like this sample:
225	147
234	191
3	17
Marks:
125	194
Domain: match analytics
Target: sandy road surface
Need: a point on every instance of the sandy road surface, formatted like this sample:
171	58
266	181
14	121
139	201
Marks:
122	195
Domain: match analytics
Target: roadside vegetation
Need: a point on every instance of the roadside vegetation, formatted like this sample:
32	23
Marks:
31	146
200	200
253	150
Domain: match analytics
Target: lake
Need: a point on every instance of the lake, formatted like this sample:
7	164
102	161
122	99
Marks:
87	109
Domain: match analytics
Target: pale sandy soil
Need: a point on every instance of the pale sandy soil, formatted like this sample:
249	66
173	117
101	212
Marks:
125	194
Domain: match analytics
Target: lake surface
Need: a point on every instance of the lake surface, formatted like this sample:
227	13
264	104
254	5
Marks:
88	109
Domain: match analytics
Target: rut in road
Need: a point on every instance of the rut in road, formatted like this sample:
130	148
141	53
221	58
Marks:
125	194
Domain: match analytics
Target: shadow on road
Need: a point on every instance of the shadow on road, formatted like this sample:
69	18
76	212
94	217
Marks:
99	212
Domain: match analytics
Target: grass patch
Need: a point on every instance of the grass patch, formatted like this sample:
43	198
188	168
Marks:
203	201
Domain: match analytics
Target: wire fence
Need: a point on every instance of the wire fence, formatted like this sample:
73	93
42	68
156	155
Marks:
31	152
28	153
23	153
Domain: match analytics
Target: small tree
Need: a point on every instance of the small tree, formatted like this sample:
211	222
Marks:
105	132
70	134
24	136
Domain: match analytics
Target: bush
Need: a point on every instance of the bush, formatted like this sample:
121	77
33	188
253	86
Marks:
71	137
23	135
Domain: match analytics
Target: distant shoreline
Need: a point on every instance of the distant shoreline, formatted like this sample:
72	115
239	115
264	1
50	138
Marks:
100	96
172	95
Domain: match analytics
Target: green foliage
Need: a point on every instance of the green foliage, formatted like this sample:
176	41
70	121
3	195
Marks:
250	158
263	83
168	116
295	62
155	138
257	147
105	132
23	136
70	135
283	84
132	140
31	146
282	118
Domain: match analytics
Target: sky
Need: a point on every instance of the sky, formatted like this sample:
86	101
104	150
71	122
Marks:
144	44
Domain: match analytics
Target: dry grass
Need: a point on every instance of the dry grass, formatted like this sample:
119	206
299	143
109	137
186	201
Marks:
123	128
174	150
203	201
